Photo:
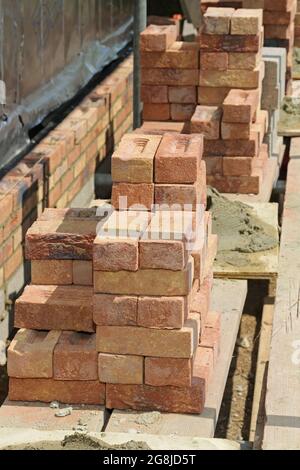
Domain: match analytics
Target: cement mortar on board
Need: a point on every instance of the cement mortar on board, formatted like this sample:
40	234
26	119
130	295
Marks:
241	233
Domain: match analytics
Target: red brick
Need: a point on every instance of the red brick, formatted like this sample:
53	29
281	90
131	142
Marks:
115	310
203	366
145	282
116	254
246	22
162	254
154	94
158	38
214	61
182	112
159	128
75	357
62	239
237	184
171	77
244	60
156	112
30	354
207	121
238	148
82	273
118	369
52	272
181	55
211	339
230	131
217	20
133	161
161	372
182	94
237	166
55	308
179	194
150	342
137	195
214	165
233	78
212	96
162	312
240	106
228	43
48	390
177	159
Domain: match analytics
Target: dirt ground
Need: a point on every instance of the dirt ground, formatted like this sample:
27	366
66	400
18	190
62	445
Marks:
235	415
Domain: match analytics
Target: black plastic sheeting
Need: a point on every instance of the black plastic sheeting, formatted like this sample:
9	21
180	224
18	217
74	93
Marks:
49	50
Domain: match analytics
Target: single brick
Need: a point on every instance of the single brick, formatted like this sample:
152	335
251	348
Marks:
244	60
139	341
170	77
52	272
124	224
217	20
214	61
47	390
60	239
116	254
156	112
154	94
145	282
30	354
229	43
133	161
138	195
212	96
232	130
55	308
182	94
162	312
182	195
158	38
161	372
83	273
240	106
119	369
238	148
177	159
207	121
246	22
237	166
232	78
115	310
182	112
75	357
165	254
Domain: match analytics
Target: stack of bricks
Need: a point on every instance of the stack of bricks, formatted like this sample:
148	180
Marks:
59	172
170	71
53	356
229	115
144	338
175	176
279	25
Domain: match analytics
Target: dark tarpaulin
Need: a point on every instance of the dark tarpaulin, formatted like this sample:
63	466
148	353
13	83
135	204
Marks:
50	49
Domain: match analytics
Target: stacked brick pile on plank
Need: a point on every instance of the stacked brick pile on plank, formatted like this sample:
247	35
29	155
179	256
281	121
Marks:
279	25
170	74
229	115
144	337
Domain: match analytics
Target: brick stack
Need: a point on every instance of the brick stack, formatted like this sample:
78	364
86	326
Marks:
229	115
169	75
156	342
53	356
279	25
153	170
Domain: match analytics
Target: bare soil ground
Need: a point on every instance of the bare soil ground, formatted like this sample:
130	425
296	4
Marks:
235	415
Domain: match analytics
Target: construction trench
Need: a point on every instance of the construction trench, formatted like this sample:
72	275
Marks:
150	273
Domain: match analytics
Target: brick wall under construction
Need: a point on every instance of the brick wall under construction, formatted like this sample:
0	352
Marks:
59	172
